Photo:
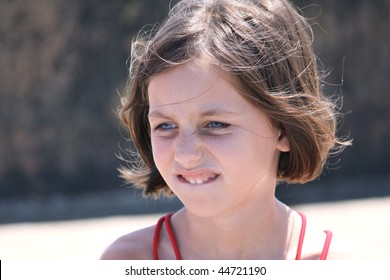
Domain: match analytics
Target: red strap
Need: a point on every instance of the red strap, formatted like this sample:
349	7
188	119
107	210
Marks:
325	250
301	236
172	236
156	238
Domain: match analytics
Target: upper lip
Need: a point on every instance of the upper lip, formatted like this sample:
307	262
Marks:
196	173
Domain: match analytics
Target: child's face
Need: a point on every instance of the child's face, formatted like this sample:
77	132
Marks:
214	149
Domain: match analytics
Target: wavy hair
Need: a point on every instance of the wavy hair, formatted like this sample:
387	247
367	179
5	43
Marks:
266	45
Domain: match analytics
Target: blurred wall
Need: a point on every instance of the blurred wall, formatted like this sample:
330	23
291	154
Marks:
62	64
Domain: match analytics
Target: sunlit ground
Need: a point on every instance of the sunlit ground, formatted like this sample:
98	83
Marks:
363	224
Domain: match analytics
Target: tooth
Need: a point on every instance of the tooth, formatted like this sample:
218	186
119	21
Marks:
200	180
208	178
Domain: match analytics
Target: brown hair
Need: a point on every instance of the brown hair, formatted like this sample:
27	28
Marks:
266	45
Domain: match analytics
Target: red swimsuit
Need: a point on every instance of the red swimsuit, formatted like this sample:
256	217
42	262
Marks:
167	218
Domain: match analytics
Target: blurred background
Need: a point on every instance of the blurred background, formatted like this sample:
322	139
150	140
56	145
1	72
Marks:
63	65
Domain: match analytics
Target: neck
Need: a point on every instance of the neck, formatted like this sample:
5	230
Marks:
259	232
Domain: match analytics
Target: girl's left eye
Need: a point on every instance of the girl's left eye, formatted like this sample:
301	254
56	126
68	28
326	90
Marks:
217	125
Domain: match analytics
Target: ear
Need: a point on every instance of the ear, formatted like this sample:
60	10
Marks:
282	144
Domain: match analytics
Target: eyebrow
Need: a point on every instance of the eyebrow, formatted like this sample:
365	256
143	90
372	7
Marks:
208	113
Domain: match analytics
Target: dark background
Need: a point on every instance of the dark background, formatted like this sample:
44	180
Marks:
63	66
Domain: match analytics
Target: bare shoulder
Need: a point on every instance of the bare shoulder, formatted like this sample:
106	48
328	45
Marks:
137	245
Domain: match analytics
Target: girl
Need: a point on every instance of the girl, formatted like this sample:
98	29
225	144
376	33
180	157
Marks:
224	102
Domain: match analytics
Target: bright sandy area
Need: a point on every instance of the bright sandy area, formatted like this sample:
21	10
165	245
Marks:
365	224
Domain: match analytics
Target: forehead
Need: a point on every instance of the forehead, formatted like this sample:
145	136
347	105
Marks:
192	82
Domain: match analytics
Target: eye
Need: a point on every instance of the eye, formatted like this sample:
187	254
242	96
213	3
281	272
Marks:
165	127
217	125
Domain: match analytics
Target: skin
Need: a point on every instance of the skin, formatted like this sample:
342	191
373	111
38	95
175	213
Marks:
199	122
219	155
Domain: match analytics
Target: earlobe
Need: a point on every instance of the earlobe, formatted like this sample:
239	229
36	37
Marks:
283	144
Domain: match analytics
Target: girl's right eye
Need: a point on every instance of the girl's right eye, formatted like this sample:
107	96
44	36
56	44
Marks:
164	127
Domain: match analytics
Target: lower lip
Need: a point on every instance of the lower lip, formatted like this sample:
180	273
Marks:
209	181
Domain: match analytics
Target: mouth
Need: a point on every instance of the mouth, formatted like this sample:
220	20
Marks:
198	180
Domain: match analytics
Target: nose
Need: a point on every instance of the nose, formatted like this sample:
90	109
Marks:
188	149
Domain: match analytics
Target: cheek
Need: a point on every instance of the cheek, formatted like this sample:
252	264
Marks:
230	152
254	154
161	150
265	158
226	150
